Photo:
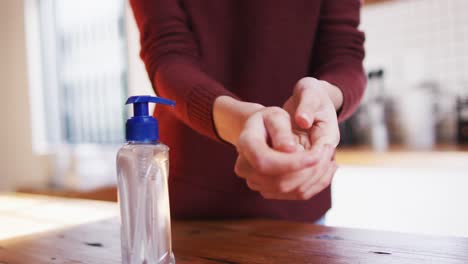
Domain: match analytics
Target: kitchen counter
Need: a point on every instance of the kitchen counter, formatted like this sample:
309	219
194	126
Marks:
40	229
441	156
404	190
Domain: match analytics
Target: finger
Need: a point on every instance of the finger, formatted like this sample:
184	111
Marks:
308	102
323	183
254	181
284	189
278	126
289	182
242	168
310	177
303	139
322	167
265	160
253	185
326	131
279	184
286	183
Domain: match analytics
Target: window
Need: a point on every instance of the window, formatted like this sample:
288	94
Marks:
78	75
84	70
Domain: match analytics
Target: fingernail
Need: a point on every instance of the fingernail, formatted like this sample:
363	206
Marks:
305	118
300	147
288	145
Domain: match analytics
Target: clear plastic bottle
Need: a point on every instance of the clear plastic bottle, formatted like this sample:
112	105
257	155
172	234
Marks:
142	172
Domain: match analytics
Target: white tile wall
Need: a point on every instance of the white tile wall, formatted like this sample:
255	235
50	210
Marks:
416	40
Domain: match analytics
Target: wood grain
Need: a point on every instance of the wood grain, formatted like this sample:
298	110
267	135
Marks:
263	241
212	242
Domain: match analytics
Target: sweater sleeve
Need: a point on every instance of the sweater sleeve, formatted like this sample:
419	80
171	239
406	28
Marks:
171	56
339	52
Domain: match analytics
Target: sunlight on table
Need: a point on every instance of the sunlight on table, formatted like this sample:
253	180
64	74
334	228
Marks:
22	214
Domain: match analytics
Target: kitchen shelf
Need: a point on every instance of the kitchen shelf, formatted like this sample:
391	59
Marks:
370	2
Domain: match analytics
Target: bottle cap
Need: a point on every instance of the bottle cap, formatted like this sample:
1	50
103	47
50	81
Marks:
142	127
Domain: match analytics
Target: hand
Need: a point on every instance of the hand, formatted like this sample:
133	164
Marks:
268	160
313	107
301	184
272	163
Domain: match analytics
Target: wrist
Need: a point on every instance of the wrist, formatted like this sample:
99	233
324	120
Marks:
229	115
336	95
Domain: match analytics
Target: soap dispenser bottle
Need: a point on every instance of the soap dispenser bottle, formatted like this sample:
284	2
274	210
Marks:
142	173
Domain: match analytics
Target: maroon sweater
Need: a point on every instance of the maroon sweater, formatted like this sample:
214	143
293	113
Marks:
256	50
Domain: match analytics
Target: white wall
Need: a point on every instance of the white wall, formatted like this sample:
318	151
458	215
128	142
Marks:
418	39
18	164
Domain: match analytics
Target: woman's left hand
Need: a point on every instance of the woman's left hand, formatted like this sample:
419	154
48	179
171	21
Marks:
312	108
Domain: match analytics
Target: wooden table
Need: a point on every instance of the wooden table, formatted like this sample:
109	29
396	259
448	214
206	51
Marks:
40	229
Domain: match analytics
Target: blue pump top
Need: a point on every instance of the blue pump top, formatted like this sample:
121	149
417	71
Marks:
143	127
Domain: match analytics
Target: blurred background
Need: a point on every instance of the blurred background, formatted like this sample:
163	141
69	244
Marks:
67	67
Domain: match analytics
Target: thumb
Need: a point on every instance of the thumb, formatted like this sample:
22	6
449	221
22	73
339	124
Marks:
325	132
306	108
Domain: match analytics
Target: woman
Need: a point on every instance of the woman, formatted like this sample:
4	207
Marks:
260	86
